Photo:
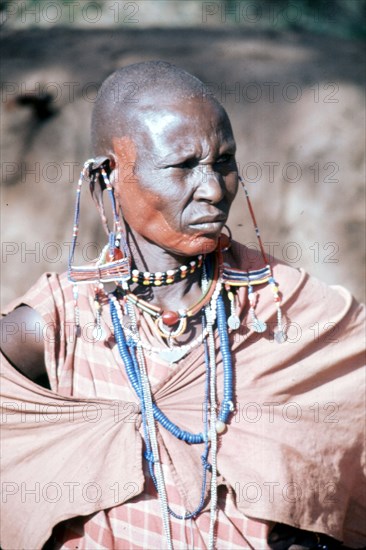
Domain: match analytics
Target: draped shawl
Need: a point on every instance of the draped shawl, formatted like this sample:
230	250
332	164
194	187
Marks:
293	451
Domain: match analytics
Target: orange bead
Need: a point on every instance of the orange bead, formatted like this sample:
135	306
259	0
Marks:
117	254
170	318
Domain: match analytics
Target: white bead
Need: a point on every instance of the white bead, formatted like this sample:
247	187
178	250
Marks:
220	427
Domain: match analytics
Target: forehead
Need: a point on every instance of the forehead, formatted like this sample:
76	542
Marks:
182	124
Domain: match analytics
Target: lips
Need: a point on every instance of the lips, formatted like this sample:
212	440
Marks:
218	218
208	225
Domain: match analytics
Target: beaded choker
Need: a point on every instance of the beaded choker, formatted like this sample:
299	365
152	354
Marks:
169	318
169	277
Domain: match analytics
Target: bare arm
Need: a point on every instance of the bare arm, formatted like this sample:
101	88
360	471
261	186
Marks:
23	345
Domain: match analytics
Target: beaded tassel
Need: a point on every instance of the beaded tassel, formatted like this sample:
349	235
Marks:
98	331
279	334
258	326
233	321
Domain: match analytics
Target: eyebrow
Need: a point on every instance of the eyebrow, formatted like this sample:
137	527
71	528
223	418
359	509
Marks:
229	145
176	157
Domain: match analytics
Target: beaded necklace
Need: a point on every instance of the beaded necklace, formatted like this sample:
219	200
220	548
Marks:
171	354
171	318
217	308
136	371
146	278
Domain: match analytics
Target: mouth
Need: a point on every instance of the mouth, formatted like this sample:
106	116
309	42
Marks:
209	224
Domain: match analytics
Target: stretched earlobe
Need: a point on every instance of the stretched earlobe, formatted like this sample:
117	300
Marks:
97	186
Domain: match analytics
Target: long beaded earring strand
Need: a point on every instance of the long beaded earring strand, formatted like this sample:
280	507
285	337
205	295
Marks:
118	267
279	333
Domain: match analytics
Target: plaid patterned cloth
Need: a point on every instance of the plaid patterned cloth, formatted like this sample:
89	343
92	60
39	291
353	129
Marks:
83	367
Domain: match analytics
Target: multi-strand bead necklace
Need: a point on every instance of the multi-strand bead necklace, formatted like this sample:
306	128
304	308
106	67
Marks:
132	354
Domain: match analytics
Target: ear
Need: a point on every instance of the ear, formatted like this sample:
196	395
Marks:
97	186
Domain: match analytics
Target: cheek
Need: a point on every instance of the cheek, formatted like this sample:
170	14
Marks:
232	185
142	211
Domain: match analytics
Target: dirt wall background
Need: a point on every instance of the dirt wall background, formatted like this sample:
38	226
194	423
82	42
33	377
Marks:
296	101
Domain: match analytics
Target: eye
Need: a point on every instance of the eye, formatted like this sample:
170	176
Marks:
224	159
186	164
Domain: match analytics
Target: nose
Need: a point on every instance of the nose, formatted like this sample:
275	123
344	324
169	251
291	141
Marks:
209	186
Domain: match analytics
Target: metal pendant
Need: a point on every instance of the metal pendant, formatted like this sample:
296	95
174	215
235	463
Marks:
172	355
259	326
280	336
98	333
233	322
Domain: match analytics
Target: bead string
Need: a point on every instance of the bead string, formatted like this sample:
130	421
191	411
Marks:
171	318
205	465
260	326
150	436
256	228
148	413
118	268
146	278
213	432
185	348
217	308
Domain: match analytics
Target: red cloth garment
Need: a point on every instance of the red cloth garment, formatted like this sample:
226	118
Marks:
293	452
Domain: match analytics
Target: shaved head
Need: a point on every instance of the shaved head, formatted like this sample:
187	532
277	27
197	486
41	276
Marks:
131	90
171	154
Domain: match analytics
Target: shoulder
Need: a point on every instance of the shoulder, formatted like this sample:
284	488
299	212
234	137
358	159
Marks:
304	296
25	321
250	259
22	341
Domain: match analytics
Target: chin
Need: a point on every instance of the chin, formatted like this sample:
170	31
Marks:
203	245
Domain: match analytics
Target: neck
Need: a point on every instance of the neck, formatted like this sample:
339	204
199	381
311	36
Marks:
147	256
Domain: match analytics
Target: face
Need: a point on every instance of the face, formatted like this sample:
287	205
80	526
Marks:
176	178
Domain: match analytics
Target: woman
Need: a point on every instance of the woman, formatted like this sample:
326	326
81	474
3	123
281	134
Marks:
148	438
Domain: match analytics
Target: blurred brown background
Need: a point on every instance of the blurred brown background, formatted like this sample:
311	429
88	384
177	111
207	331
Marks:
290	74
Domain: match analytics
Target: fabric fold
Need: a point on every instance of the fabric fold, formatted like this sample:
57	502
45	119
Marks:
61	457
293	451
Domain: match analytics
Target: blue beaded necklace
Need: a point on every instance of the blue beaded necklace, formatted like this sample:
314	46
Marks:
127	350
132	369
204	457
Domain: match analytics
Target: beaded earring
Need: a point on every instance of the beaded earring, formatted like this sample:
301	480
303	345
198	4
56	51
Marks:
233	278
114	265
261	326
118	265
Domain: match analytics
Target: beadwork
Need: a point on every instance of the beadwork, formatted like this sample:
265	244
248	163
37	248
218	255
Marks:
182	351
171	318
169	277
118	268
217	308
